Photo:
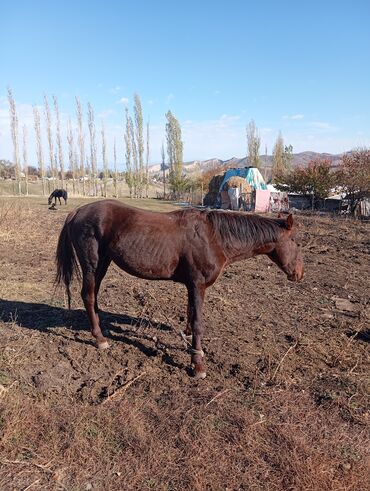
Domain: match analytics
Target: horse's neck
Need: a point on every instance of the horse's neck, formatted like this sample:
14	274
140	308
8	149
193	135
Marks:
238	246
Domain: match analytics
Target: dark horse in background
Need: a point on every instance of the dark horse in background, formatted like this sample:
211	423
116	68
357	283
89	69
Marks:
187	246
58	193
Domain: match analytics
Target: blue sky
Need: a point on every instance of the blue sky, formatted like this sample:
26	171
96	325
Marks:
299	67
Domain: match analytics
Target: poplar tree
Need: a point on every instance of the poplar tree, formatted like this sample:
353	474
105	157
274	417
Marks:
163	165
14	133
49	134
139	143
175	153
254	142
135	174
59	141
25	157
128	153
278	165
39	150
105	160
115	168
71	155
81	143
147	162
93	159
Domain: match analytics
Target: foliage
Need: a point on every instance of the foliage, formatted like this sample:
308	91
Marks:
316	180
288	157
175	151
282	157
353	176
7	169
254	142
129	175
278	166
138	114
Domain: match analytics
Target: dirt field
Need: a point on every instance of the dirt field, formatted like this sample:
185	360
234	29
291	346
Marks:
284	404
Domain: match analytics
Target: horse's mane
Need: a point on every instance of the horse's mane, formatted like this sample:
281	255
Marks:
239	229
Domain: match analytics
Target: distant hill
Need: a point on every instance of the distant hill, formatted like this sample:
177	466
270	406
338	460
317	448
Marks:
299	159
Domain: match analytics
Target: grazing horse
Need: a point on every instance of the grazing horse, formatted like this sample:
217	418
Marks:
58	193
187	246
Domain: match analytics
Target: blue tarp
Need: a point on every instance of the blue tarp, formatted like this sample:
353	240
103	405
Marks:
251	174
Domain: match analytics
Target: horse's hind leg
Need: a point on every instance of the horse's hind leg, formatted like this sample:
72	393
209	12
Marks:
99	276
101	271
89	259
88	297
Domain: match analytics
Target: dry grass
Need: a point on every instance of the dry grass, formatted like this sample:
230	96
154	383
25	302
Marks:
285	405
139	442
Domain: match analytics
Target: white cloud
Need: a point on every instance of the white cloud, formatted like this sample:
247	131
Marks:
323	125
116	89
294	117
123	100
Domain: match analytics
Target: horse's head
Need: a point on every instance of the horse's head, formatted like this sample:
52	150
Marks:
287	253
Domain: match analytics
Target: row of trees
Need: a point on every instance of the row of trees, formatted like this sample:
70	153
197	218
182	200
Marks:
83	162
282	154
82	167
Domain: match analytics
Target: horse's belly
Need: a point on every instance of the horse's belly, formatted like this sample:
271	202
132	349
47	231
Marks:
144	265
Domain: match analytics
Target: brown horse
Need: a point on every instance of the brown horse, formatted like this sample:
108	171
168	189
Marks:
187	246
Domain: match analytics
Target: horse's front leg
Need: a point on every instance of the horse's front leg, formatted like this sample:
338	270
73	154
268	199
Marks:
187	330
195	309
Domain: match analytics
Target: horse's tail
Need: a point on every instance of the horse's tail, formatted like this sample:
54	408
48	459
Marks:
66	258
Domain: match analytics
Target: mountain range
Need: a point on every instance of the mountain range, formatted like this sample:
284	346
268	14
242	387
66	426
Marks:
299	159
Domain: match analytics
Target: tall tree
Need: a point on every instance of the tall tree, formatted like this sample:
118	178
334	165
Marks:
39	150
105	159
93	158
115	169
135	166
81	143
25	157
278	165
59	141
72	156
254	142
175	153
288	157
139	143
49	134
14	133
147	162
163	167
128	153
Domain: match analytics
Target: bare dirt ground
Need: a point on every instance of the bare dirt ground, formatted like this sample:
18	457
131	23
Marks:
284	404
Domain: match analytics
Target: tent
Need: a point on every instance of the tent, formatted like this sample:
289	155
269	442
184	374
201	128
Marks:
251	174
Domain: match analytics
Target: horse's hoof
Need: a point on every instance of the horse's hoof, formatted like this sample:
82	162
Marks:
199	375
103	345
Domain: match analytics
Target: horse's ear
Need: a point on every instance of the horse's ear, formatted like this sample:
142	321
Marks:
289	222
